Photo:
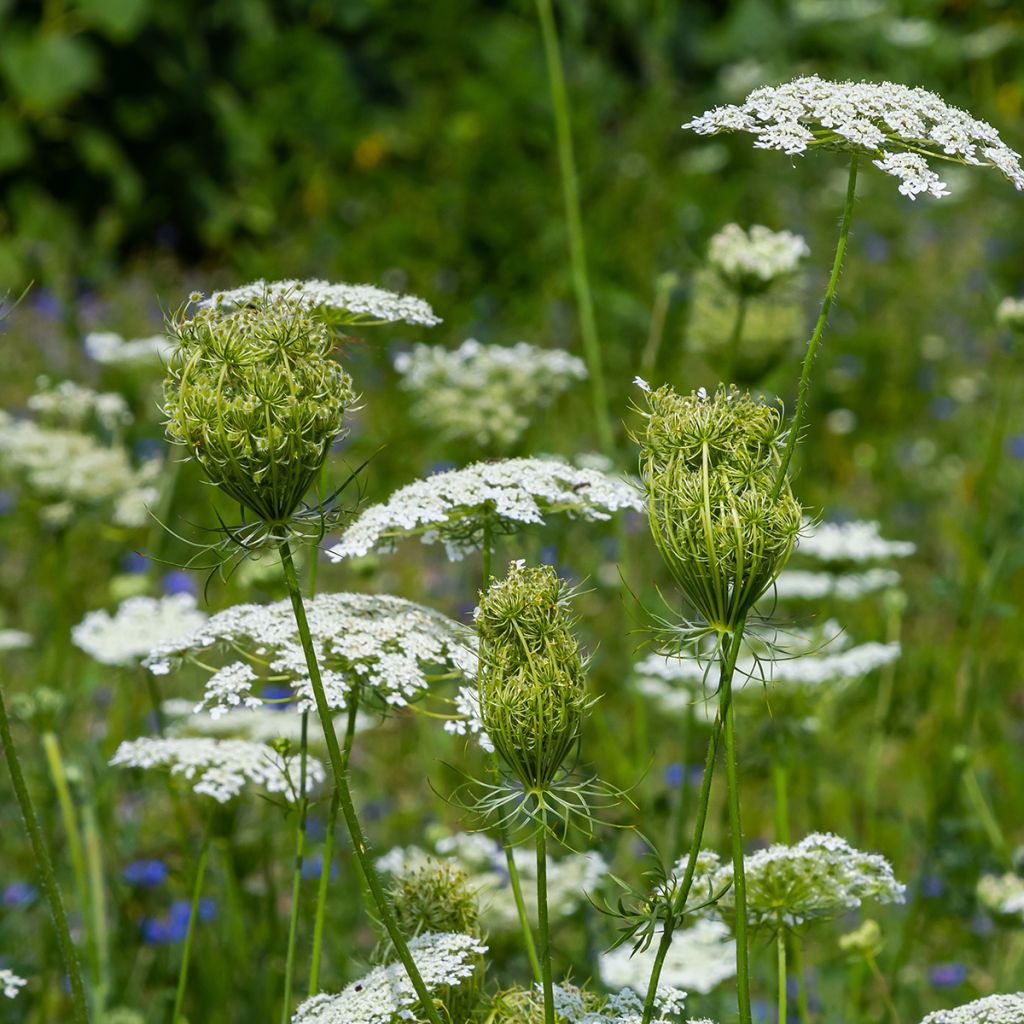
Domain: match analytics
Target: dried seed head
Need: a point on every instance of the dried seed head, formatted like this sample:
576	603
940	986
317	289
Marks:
532	683
709	464
257	399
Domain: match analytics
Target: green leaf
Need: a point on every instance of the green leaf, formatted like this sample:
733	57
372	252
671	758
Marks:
47	71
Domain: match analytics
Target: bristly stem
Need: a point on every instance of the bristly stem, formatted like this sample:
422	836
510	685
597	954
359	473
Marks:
739	885
728	667
805	376
45	867
348	809
574	225
193	914
542	924
300	853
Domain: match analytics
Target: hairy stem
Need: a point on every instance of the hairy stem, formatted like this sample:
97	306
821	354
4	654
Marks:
193	914
819	327
347	807
574	224
45	867
542	925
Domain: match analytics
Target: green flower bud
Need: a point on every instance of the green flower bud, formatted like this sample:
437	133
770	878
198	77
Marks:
709	464
532	680
257	399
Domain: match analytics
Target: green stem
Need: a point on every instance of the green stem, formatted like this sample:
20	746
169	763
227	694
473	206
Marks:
797	956
542	925
739	884
328	851
574	224
98	908
780	785
45	867
73	837
348	810
656	332
819	327
300	853
780	948
193	914
985	815
883	985
728	667
732	352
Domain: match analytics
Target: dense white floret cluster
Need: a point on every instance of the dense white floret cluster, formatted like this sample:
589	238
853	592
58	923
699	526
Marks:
386	995
485	394
66	470
1010	313
849	542
384	643
751	261
579	1006
699	958
69	403
10	982
821	876
138	625
469	720
803	585
220	769
1002	895
352	304
998	1009
896	125
111	349
455	505
483	860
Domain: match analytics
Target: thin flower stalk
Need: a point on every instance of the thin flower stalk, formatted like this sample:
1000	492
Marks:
739	888
543	929
300	853
193	915
344	793
44	864
780	954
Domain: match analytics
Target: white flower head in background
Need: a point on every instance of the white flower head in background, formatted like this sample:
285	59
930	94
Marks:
852	542
1010	314
221	769
385	644
14	640
485	394
385	995
803	585
752	261
821	876
11	983
1002	896
998	1009
454	506
342	304
699	958
111	349
138	625
69	404
897	126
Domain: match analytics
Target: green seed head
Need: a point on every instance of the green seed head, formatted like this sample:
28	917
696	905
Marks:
532	676
709	464
256	397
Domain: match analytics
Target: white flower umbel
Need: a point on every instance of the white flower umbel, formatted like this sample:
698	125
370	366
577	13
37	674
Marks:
351	304
221	769
1002	895
751	261
469	720
999	1009
821	876
385	995
70	403
384	643
579	1006
485	394
14	640
10	982
1010	314
699	958
138	625
454	506
111	349
803	585
569	879
896	125
852	542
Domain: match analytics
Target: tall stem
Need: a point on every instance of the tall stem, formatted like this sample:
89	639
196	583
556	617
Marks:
796	955
662	293
300	853
193	914
728	667
45	867
542	925
348	809
780	947
732	352
739	884
574	224
819	327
